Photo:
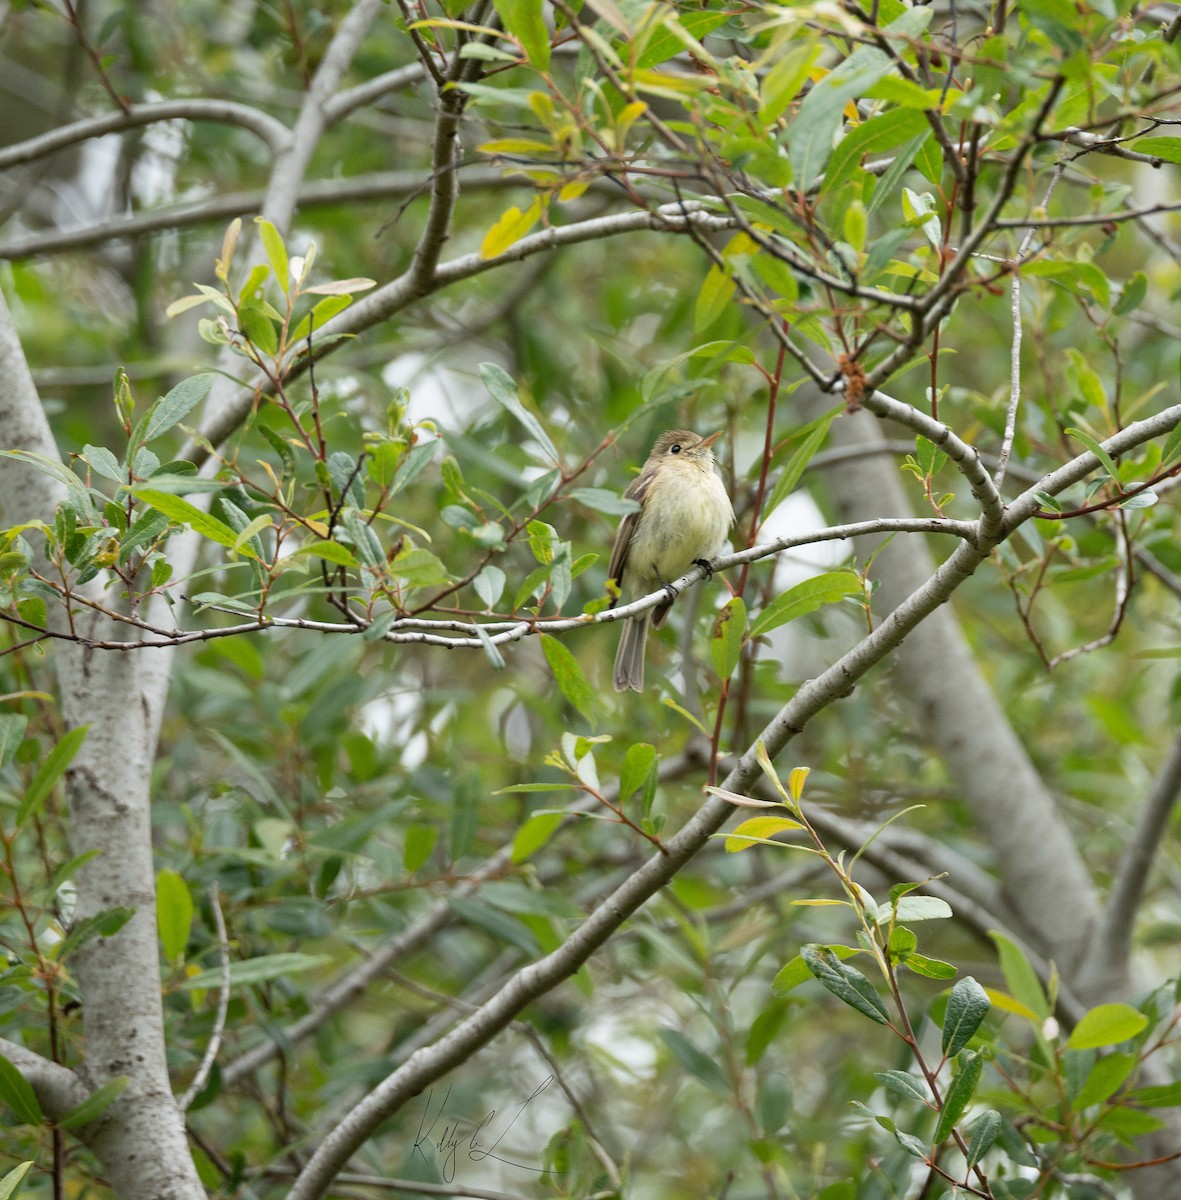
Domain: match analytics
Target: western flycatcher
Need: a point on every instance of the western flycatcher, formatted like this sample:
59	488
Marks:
683	518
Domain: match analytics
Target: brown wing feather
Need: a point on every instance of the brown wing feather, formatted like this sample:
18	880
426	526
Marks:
637	490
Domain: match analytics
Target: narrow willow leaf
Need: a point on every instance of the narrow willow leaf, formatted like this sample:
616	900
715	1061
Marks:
846	983
795	972
50	771
1096	449
180	401
174	912
534	834
637	763
728	637
903	1084
177	509
569	675
95	1104
959	1094
257	970
10	1185
418	845
1105	1078
1107	1025
17	1093
717	290
982	1134
272	243
806	597
967	1006
760	829
503	390
1020	976
12	732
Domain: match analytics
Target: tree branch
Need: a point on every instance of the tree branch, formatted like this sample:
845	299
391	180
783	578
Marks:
1114	940
272	132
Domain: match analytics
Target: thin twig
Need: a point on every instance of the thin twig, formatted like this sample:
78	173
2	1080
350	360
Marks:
223	1005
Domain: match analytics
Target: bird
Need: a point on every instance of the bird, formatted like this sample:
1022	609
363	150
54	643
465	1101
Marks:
683	518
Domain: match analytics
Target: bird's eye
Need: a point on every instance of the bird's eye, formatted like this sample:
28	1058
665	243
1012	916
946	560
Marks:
675	449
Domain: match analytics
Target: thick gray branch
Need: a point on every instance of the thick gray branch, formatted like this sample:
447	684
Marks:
226	112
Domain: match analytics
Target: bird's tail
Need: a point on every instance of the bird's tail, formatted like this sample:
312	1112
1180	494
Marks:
629	660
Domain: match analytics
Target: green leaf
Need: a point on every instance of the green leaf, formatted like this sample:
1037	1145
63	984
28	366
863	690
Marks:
728	638
95	1104
1096	449
180	401
846	983
257	970
104	463
10	1185
810	138
50	771
696	1062
504	391
783	81
332	552
637	763
903	1084
489	585
1107	1025
322	312
874	136
913	908
967	1006
982	1134
665	44
272	243
569	676
1165	1095
795	972
144	530
179	510
419	845
174	912
525	20
534	834
416	567
806	597
604	501
18	1094
1020	976
959	1094
1134	290
1105	1078
12	732
797	464
717	289
930	968
104	924
1166	148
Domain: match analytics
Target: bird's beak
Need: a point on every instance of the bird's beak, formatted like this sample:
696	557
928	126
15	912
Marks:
709	441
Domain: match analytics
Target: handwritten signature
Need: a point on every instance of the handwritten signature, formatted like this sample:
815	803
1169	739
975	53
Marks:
453	1136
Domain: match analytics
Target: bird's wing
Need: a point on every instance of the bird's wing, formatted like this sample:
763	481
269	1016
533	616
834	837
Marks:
623	536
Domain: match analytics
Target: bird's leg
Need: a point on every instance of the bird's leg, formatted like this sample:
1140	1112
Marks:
706	566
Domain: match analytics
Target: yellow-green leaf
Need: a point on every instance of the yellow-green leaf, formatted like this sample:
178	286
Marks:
1107	1025
272	243
511	227
716	292
761	828
726	644
174	912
